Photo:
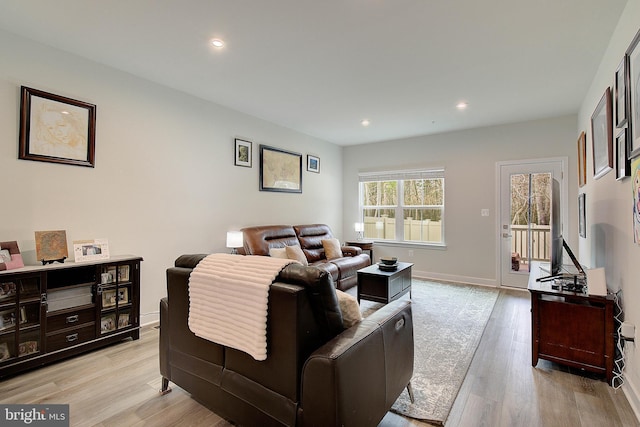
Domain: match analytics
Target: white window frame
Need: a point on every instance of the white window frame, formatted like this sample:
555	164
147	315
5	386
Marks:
400	176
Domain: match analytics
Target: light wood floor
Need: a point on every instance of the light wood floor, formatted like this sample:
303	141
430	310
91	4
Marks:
118	386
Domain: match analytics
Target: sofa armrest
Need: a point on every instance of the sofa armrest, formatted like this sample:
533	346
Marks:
351	250
354	379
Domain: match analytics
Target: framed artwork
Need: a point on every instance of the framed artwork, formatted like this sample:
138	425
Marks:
56	129
90	250
635	188
313	163
109	298
10	256
51	246
602	136
582	159
582	216
620	94
108	323
623	165
633	96
243	153
280	170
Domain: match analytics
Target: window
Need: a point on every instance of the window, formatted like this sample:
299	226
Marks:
415	197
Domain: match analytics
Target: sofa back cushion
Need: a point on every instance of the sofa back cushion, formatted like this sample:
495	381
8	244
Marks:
310	237
258	240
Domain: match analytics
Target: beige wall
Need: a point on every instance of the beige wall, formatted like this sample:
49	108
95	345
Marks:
469	158
609	203
164	182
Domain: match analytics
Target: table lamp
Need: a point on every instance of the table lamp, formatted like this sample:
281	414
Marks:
359	227
235	239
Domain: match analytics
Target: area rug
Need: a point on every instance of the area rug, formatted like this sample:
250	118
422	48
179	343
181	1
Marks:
448	322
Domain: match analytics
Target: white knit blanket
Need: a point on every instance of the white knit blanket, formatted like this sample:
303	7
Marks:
228	298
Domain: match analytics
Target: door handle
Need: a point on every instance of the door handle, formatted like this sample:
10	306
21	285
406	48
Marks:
505	235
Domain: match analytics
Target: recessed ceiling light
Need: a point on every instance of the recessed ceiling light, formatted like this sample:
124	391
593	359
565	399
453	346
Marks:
462	105
217	43
365	122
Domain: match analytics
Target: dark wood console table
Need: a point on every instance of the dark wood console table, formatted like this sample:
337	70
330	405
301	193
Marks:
570	328
384	286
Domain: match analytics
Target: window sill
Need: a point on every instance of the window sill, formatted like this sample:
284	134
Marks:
435	246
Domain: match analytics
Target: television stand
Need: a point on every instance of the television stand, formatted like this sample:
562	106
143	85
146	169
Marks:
571	328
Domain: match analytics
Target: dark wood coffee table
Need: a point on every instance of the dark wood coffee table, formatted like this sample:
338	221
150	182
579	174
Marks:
384	286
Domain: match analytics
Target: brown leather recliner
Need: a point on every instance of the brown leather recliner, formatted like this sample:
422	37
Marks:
316	373
259	240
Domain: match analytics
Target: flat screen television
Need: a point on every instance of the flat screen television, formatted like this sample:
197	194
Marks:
558	244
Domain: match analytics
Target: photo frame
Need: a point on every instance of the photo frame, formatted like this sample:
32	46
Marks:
582	215
582	159
632	56
623	165
243	153
313	163
635	189
51	246
108	323
602	136
90	250
123	296
620	94
10	256
109	298
56	129
123	273
280	170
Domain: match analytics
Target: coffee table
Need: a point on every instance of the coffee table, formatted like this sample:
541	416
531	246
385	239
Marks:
384	286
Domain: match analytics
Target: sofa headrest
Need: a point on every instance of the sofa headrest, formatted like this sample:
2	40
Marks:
322	295
258	240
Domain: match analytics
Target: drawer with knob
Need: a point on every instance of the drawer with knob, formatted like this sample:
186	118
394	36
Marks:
70	319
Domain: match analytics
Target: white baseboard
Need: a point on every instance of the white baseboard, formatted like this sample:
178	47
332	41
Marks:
454	278
149	318
631	392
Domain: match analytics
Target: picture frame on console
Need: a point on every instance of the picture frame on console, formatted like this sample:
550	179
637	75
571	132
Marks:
280	170
633	96
602	136
243	153
56	129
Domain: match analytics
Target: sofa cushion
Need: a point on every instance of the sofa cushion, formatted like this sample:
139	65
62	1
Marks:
332	248
349	307
295	253
258	240
278	252
322	296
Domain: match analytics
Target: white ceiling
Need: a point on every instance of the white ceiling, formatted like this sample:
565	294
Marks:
321	66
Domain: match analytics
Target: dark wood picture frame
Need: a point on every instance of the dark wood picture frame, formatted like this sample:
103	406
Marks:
280	170
243	153
56	129
620	94
623	164
582	159
632	57
313	163
582	215
602	136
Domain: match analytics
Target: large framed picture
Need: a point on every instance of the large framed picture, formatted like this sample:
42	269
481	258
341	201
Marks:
602	136
582	159
280	170
243	153
582	215
56	129
633	95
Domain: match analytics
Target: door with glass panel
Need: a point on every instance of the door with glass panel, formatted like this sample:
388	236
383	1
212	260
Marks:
525	216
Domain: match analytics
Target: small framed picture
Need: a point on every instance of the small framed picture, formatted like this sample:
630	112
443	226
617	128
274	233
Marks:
123	320
123	296
582	215
243	153
582	160
623	164
56	129
108	323
313	163
90	250
633	96
620	94
108	298
123	273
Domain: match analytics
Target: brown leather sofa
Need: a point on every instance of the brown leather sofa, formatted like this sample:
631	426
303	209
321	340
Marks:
316	373
258	240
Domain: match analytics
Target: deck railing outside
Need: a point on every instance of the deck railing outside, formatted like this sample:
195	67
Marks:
540	242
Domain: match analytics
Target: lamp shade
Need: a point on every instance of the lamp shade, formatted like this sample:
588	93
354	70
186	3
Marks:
358	226
235	239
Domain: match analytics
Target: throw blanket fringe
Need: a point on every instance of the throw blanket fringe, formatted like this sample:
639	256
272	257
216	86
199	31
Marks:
228	300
